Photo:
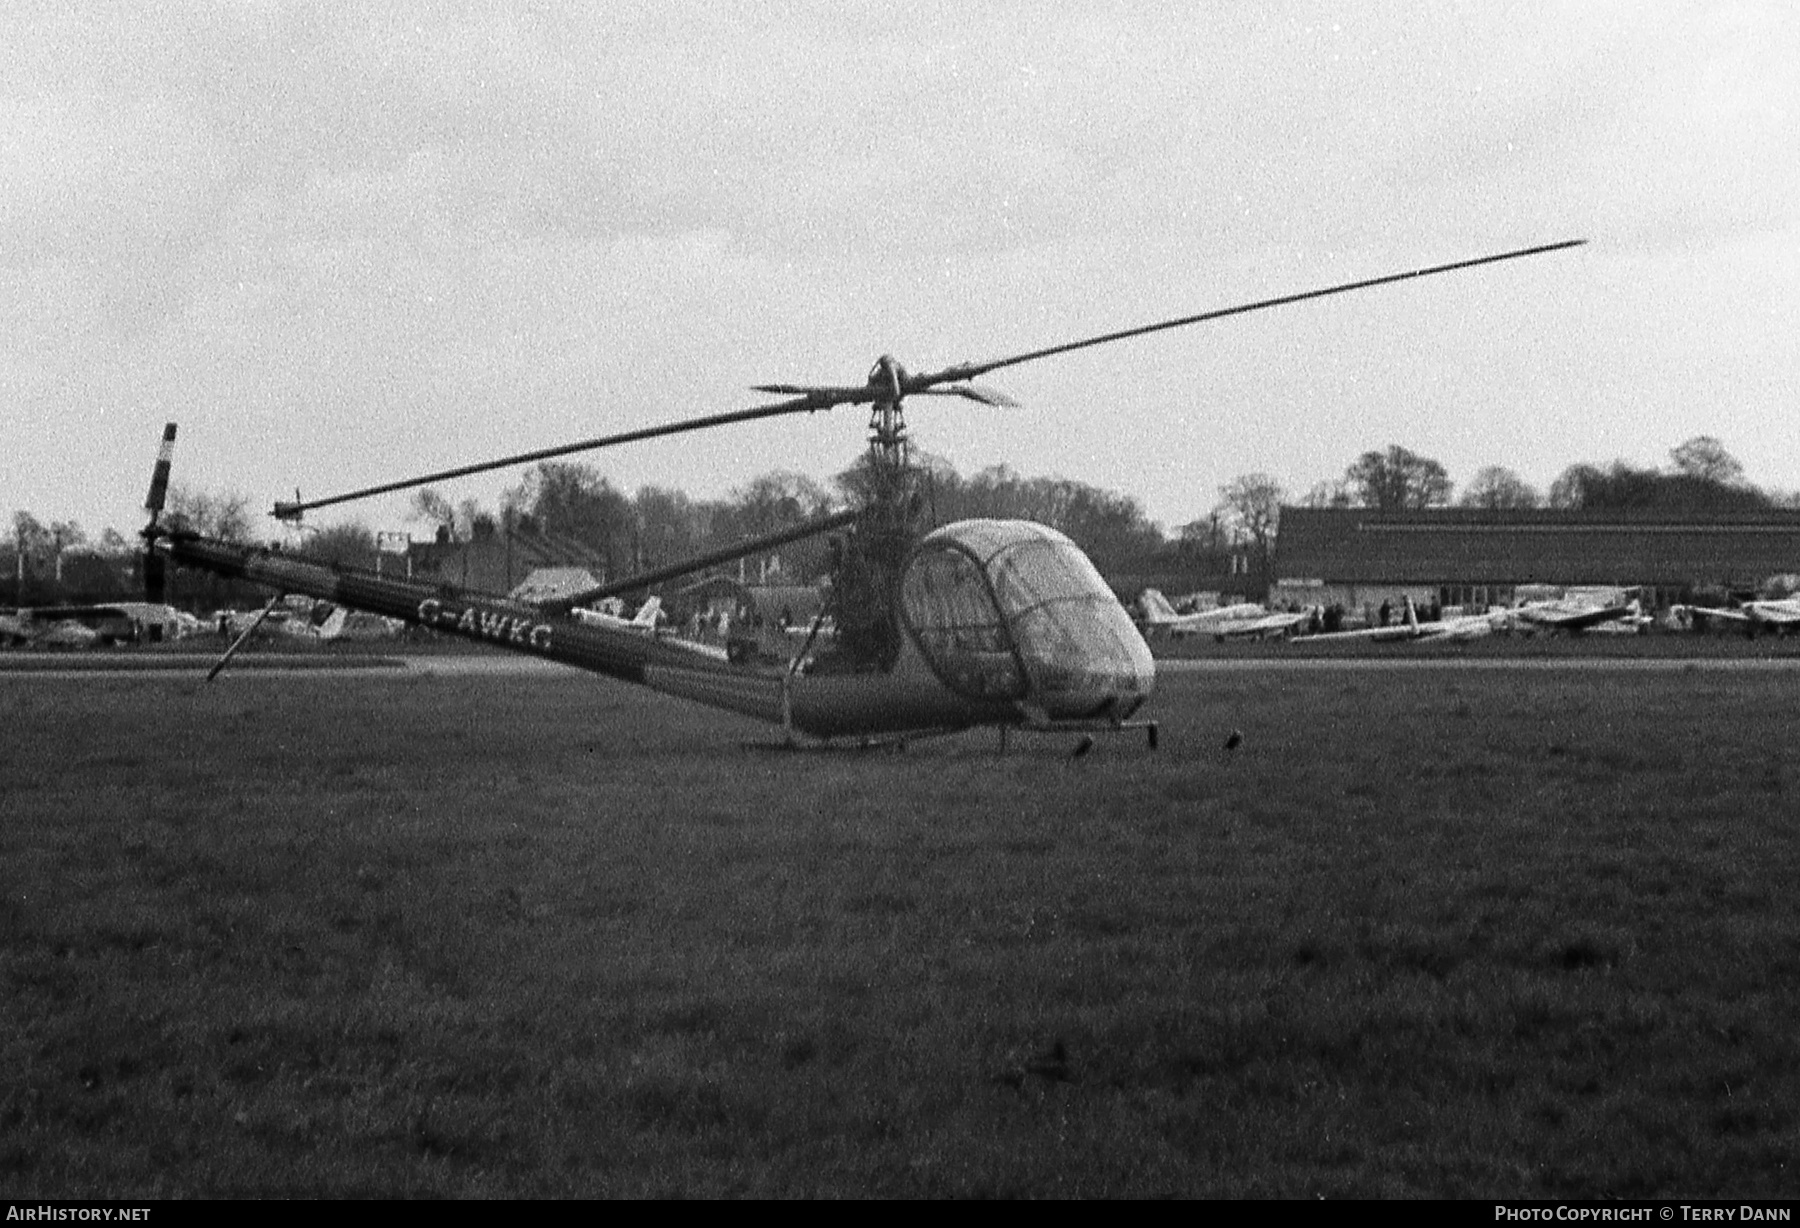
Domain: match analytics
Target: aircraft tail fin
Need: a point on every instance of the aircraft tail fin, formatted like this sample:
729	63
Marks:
333	626
1156	606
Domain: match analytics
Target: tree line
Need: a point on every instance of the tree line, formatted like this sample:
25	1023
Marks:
657	526
1233	544
1702	476
577	503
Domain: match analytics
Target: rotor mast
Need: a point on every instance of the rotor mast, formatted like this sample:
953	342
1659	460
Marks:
890	454
866	574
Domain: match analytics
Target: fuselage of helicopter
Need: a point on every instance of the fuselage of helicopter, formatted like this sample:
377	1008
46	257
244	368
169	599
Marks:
1034	646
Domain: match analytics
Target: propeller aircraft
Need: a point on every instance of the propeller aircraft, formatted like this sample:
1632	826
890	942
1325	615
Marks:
1408	629
1781	615
1243	620
1573	611
977	623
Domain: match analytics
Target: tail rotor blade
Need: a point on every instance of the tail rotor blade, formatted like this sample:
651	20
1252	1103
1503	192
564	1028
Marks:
156	567
159	477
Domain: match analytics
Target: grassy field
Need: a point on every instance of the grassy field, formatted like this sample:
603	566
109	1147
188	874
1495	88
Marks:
1433	933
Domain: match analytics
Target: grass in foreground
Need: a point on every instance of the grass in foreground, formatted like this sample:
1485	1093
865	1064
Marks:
1485	934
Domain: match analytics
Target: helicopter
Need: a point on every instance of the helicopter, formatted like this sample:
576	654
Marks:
978	623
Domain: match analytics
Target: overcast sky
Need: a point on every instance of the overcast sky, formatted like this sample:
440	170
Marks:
344	243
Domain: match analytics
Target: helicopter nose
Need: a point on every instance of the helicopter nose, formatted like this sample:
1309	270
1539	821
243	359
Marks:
1111	688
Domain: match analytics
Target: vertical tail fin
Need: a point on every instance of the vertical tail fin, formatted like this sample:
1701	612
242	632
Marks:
333	626
1156	606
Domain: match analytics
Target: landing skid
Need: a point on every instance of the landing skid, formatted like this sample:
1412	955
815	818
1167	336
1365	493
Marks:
899	742
1087	730
894	743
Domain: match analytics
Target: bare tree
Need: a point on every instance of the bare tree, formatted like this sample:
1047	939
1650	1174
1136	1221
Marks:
1331	493
1250	506
352	543
1496	486
1574	485
1201	540
670	525
1705	458
1398	479
30	537
224	515
1625	487
431	506
477	521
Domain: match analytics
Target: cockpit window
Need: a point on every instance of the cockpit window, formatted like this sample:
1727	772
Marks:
1035	572
1066	622
952	614
1006	609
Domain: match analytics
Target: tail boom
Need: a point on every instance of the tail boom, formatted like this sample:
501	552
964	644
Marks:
483	618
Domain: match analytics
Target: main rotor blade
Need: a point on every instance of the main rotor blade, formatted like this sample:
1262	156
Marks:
919	383
971	392
812	398
293	510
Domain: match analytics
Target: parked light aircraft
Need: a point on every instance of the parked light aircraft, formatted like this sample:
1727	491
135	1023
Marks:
333	626
16	630
978	623
1579	609
1406	628
1274	624
642	623
302	619
1572	613
1246	618
63	626
1410	630
1781	615
1468	626
70	633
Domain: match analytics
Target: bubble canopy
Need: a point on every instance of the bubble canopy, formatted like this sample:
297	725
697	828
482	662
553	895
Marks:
1008	609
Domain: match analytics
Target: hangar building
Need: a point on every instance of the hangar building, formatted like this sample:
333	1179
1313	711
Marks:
1475	557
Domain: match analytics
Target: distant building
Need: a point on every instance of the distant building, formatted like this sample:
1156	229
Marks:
500	561
1474	557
